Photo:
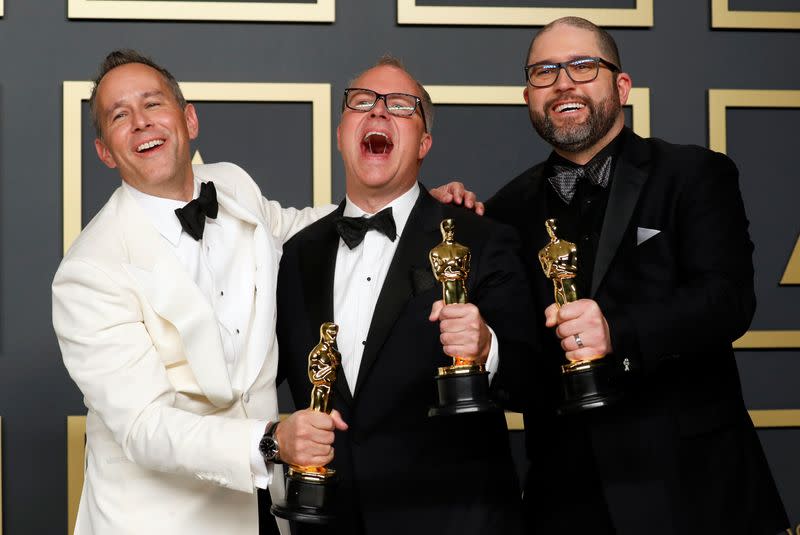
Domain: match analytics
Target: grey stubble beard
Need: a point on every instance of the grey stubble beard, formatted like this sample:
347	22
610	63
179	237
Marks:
574	138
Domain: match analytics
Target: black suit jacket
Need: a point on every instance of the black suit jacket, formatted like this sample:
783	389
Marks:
401	472
679	455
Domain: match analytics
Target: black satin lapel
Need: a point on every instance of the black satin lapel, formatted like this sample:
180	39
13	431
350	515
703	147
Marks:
421	233
625	189
317	266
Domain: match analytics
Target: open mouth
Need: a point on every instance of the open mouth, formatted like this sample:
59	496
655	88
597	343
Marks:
568	107
148	146
377	143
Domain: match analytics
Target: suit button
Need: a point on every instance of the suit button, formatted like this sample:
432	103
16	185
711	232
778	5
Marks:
246	397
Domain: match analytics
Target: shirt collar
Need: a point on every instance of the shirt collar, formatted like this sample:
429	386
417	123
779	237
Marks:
161	211
401	208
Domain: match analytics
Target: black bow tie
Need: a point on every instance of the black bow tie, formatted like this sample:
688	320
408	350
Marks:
353	229
565	180
193	215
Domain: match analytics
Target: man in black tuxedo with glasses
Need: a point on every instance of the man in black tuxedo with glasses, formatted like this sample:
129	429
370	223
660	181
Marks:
666	275
366	267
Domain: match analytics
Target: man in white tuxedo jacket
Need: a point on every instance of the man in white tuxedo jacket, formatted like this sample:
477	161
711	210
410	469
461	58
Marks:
169	331
169	337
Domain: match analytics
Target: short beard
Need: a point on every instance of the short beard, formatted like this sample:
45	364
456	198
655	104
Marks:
577	138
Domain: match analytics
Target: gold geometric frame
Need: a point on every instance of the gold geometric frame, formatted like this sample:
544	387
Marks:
719	100
723	17
76	461
762	419
320	11
408	12
319	95
638	100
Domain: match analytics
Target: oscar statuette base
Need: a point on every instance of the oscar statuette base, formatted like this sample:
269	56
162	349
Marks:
588	386
309	498
462	390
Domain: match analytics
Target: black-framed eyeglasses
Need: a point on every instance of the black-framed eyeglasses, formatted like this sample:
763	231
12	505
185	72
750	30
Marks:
399	104
579	70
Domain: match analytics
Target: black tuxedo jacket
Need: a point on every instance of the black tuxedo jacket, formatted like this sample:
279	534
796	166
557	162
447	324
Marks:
679	455
401	472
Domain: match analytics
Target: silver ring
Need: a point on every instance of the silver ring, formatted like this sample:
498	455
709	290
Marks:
578	340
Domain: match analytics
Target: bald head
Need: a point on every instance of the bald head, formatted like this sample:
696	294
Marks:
606	43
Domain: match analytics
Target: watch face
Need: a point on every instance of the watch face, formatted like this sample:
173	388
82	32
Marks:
268	448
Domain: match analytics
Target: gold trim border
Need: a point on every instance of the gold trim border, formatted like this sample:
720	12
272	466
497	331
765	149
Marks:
319	95
762	419
768	340
76	463
719	100
408	12
639	100
723	17
321	11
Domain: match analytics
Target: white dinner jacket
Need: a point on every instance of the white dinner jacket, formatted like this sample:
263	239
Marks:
168	436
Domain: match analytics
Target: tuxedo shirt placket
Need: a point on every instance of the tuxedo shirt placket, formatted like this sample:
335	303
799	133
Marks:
358	278
214	264
231	290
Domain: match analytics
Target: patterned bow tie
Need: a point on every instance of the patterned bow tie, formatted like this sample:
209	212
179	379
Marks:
193	215
565	180
353	229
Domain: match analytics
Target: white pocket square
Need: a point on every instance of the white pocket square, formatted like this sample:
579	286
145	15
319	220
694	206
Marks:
643	234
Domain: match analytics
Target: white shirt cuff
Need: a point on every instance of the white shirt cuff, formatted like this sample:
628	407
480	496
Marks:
262	472
493	360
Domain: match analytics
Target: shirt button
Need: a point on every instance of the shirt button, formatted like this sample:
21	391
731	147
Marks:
369	279
221	293
237	331
363	342
246	397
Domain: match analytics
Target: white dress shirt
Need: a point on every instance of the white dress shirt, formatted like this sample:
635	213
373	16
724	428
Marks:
227	279
358	278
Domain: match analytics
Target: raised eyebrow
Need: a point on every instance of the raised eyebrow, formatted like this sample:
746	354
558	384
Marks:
571	59
154	93
404	94
123	102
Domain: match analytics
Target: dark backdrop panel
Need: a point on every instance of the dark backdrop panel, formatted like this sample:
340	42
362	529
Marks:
679	59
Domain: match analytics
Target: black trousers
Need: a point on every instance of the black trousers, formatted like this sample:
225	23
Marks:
266	522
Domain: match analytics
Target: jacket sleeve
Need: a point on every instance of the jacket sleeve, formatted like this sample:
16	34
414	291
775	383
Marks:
714	299
112	358
286	222
502	295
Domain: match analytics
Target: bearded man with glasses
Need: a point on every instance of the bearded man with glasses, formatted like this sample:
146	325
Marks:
666	275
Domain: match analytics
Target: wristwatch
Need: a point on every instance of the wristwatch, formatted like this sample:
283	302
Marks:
268	446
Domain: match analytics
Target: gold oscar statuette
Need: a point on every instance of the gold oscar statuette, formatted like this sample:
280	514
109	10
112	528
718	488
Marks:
587	383
463	387
450	265
309	489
